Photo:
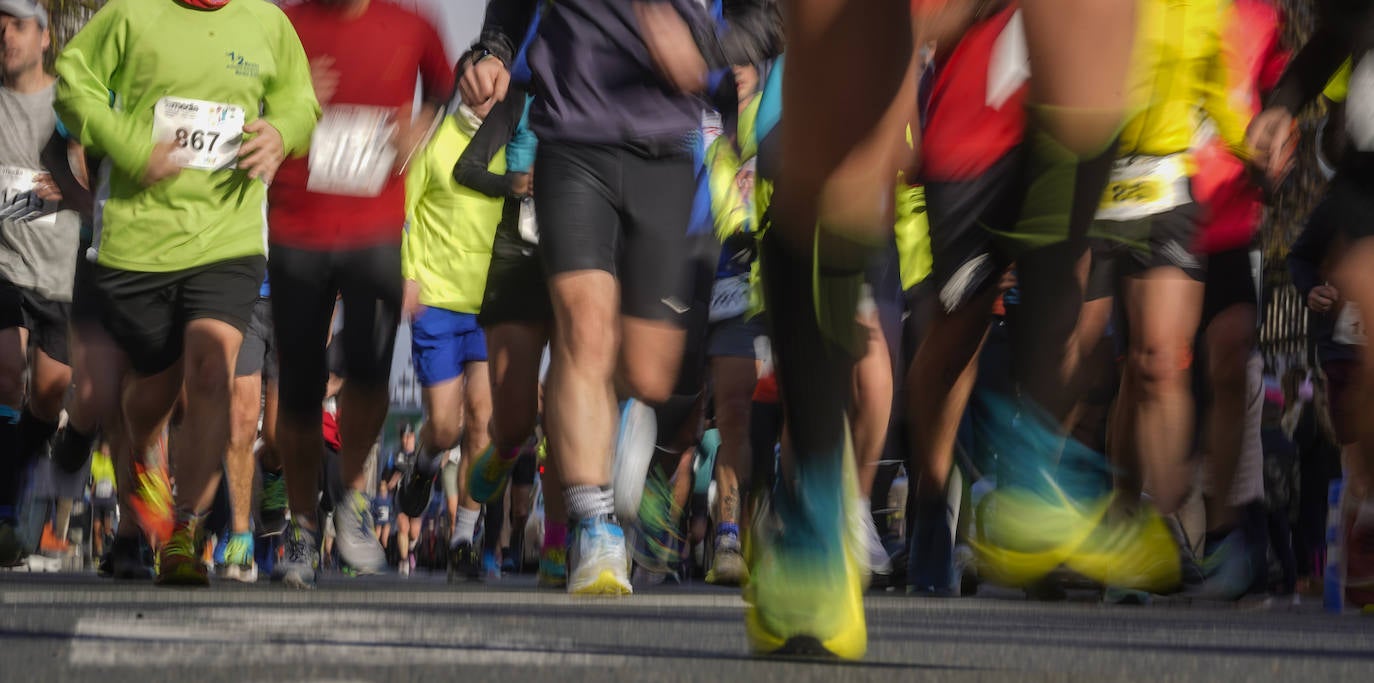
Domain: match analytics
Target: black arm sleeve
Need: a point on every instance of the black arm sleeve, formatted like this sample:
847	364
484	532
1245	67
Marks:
504	28
496	130
1309	250
1312	67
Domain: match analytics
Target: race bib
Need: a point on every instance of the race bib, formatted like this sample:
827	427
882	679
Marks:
529	226
712	127
1144	186
729	298
351	152
104	489
18	201
1359	105
207	134
1349	326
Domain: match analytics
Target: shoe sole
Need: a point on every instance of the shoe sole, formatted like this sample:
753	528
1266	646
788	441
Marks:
187	579
238	573
606	583
294	580
804	647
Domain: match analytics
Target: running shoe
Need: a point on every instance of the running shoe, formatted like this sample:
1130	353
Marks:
126	560
806	573
930	562
272	509
301	559
238	560
11	546
657	549
727	562
179	562
221	545
491	569
404	567
463	562
490	474
875	554
1225	568
1131	550
597	563
355	539
553	568
152	502
634	452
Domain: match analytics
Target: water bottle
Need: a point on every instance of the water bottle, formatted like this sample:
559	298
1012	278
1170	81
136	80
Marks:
1333	589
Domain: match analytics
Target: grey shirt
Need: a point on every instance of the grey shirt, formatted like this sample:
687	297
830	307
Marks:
38	242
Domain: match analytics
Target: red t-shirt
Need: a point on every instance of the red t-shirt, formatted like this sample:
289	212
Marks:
1255	61
377	56
969	125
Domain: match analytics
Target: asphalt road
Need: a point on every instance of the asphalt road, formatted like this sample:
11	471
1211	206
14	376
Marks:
77	627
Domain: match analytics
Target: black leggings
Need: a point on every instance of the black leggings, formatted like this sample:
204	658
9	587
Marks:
305	285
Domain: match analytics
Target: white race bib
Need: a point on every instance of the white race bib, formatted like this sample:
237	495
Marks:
712	127
1144	186
729	297
529	225
104	489
1349	326
207	134
18	201
351	152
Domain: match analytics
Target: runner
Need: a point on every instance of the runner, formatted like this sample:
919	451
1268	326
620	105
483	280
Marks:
177	125
453	205
597	234
336	223
38	240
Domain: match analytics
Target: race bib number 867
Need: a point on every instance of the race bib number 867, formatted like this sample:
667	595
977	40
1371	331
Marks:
207	134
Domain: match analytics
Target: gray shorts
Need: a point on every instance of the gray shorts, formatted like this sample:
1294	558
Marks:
734	337
259	350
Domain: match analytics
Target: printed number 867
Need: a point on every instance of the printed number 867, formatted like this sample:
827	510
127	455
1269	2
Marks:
196	139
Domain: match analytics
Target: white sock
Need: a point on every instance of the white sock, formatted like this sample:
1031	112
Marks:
465	526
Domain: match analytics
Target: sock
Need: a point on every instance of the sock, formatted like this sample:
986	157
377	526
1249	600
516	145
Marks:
465	526
72	449
727	529
34	435
12	468
555	535
586	502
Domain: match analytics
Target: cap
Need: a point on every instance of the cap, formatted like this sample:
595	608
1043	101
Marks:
25	9
406	427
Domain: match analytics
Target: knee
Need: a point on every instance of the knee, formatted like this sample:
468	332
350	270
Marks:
589	343
208	376
443	434
651	384
1161	368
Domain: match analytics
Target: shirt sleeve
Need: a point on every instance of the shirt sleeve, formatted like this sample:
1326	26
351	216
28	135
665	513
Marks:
1311	68
504	27
290	104
85	70
436	69
1216	93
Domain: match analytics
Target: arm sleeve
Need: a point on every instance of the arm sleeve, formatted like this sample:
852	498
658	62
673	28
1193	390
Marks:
1311	69
504	26
471	169
416	179
1275	59
1308	251
290	104
85	70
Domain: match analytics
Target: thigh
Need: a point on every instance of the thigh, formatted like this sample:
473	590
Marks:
657	265
140	313
579	225
303	297
371	285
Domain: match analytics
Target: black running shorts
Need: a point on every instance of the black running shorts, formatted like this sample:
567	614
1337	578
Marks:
147	313
623	209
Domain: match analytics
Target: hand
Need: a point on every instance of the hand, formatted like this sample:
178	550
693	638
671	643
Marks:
410	299
46	188
672	46
162	164
324	78
1322	298
521	184
1272	137
483	81
262	156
